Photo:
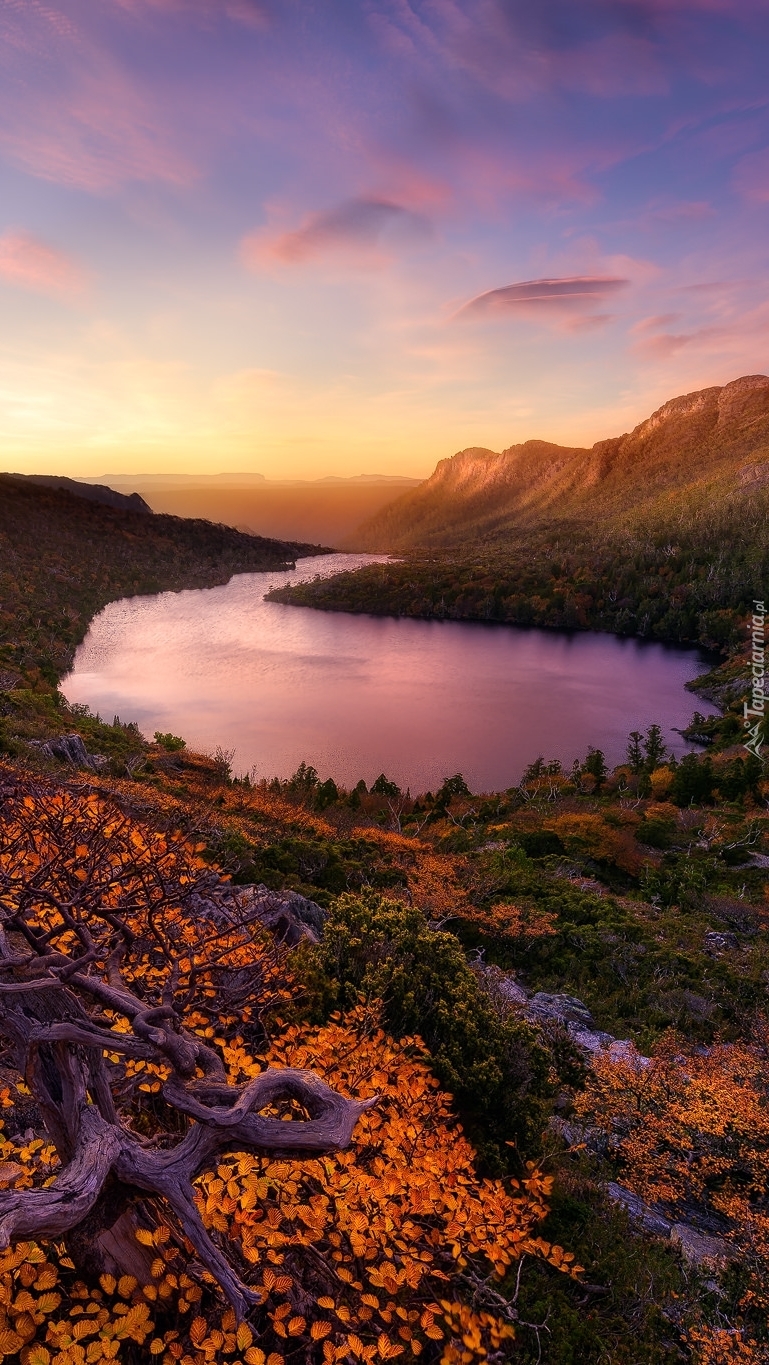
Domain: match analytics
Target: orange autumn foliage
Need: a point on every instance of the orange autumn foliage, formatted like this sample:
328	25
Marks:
366	1254
392	1248
692	1129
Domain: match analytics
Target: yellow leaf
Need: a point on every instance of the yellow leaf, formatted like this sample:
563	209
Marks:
320	1329
156	1346
48	1303
198	1330
126	1285
254	1356
144	1236
244	1336
295	1326
37	1355
47	1277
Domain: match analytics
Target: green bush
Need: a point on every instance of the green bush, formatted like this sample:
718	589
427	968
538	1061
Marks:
494	1067
173	743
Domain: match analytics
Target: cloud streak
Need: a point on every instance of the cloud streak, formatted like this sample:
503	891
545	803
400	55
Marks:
355	228
29	263
544	299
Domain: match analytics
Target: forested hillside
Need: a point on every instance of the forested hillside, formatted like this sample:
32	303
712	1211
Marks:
63	558
689	579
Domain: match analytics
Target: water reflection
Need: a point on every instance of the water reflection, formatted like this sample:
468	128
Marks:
358	695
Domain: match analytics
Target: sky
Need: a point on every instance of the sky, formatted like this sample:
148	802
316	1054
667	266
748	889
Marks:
313	237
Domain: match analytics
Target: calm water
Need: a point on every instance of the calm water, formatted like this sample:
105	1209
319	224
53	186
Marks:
358	695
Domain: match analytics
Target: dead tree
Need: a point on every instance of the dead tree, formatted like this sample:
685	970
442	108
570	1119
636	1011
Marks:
109	934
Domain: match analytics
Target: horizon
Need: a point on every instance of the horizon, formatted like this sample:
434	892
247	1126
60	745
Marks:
333	243
169	477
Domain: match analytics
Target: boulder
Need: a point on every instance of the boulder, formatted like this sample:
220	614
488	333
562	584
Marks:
580	1025
577	1135
502	986
290	918
566	1008
71	749
700	1250
720	942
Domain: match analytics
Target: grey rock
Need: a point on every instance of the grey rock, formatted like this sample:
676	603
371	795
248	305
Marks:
700	1250
646	1216
511	990
579	1023
71	749
578	1134
591	1041
720	942
290	918
565	1008
501	985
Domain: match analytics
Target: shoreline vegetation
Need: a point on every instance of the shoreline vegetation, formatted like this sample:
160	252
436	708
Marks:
558	992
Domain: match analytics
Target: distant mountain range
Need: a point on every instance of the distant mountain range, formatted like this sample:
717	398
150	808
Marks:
243	480
694	449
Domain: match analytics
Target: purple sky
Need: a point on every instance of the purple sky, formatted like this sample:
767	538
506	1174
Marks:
357	235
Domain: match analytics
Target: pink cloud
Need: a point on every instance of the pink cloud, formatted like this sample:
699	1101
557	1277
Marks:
356	227
31	264
517	58
69	113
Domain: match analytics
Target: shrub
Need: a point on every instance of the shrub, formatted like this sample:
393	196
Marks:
384	950
173	743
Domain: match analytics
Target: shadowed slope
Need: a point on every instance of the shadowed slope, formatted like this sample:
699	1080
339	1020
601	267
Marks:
63	558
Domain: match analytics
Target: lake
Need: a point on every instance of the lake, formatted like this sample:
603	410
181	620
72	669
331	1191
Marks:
358	695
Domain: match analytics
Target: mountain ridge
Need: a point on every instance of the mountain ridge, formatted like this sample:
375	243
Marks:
694	445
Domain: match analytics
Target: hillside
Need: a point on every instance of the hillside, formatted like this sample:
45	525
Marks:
92	492
694	449
662	533
62	558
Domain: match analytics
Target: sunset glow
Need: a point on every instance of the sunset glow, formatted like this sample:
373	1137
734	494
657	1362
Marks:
311	240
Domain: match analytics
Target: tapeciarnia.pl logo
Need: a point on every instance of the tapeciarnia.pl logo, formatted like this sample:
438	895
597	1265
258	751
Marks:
754	710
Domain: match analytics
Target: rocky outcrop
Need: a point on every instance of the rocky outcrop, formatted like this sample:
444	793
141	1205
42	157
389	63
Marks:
70	749
290	918
579	1023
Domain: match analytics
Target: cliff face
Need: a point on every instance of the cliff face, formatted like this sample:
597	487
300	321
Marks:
701	444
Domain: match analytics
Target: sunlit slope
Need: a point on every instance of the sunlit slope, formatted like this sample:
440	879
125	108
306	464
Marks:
694	449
